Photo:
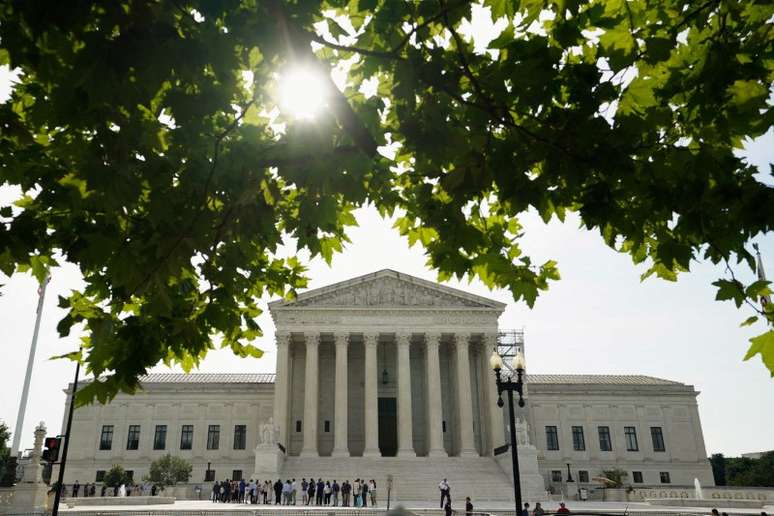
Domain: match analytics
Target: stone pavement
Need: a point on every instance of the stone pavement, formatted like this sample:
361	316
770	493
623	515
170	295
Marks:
424	507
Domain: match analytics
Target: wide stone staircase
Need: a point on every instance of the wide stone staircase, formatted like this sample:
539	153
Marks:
414	478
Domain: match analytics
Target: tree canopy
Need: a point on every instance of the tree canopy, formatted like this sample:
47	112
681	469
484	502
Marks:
147	145
169	470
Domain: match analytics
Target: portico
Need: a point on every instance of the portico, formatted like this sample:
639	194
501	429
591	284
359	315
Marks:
386	365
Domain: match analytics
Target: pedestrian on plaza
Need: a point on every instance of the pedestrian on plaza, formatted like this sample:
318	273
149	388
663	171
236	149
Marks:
293	490
445	490
447	509
93	489
266	492
102	491
336	488
562	509
356	493
525	510
304	493
76	487
312	488
154	489
468	506
278	492
715	512
364	494
345	490
327	491
538	510
242	487
286	489
372	492
320	490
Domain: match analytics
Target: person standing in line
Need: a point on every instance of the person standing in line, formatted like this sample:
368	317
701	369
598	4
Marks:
372	492
445	489
345	493
538	510
447	509
468	506
76	487
327	491
356	493
336	488
320	492
266	492
312	489
278	492
364	495
242	488
293	490
304	494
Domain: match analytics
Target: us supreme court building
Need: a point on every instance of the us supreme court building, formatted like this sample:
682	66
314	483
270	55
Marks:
388	374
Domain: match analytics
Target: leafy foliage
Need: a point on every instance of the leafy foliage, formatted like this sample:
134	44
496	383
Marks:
744	471
718	463
616	476
116	476
149	158
169	470
5	454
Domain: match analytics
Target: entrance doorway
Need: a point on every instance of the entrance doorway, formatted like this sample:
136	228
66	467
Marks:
388	427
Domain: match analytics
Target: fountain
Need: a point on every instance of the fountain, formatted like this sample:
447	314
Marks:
697	492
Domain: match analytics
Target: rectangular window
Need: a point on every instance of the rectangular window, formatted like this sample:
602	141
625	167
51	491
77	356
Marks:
605	444
209	475
240	437
130	474
160	437
133	438
630	433
637	477
106	437
578	442
236	475
213	437
443	426
552	438
327	426
658	439
100	475
298	425
583	477
556	475
665	477
186	437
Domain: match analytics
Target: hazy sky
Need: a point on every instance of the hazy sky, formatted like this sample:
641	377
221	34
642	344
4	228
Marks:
598	319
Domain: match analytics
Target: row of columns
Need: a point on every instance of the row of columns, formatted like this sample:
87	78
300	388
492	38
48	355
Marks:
404	399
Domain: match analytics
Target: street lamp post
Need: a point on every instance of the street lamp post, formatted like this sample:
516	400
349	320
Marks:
510	386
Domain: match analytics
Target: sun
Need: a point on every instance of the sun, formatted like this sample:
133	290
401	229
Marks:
303	93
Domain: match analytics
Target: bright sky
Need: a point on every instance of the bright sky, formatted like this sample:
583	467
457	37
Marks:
598	319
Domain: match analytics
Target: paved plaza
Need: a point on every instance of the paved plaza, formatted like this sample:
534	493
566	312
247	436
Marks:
424	508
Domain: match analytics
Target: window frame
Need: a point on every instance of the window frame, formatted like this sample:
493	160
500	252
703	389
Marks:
240	437
209	475
186	431
213	437
235	477
608	439
578	439
657	431
637	477
160	430
133	437
630	437
106	437
100	476
552	431
583	476
665	475
556	475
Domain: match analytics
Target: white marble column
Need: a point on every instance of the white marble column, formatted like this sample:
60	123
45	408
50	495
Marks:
311	384
282	388
340	421
371	341
496	423
434	407
464	397
405	431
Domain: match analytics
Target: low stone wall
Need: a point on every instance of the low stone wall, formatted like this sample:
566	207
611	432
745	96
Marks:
761	495
119	500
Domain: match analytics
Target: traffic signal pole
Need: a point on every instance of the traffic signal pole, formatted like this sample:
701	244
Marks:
60	481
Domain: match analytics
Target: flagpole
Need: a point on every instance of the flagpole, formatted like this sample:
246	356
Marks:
16	448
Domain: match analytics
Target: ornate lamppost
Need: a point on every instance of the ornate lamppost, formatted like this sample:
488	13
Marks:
510	386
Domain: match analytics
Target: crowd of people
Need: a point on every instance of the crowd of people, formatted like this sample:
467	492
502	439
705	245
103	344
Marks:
91	490
360	493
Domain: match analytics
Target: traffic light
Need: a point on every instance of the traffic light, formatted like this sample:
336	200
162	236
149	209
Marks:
51	452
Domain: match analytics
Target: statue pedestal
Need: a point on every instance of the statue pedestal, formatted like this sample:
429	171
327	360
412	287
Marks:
532	483
268	460
29	497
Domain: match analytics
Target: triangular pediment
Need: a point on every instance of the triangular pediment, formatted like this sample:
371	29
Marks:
388	288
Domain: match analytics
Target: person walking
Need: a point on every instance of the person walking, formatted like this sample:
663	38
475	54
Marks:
372	492
445	489
336	488
468	506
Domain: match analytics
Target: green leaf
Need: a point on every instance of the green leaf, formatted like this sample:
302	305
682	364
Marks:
763	345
